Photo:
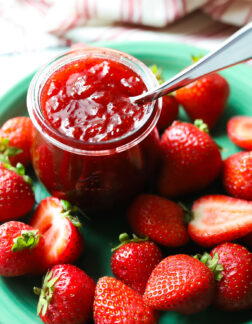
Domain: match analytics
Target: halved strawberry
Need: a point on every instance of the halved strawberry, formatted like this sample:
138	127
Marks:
218	219
239	129
63	241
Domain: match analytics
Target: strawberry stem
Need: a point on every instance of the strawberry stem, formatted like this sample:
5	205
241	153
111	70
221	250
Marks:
125	239
212	263
27	239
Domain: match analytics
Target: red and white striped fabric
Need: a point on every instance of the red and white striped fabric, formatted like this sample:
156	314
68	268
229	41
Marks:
35	24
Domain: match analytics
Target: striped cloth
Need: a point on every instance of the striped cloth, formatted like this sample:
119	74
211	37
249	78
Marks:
37	24
34	31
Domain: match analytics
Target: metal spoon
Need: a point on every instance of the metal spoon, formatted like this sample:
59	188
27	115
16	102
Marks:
236	49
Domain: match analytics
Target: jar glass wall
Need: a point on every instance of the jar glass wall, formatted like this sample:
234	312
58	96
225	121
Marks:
95	176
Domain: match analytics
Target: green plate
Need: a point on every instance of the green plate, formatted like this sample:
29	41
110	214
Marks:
17	302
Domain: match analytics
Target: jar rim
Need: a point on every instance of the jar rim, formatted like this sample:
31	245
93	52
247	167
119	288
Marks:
78	146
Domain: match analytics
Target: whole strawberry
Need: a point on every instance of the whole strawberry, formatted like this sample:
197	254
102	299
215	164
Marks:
66	296
237	175
234	290
117	303
21	248
191	159
63	241
180	283
16	194
162	220
205	98
19	132
133	261
239	129
218	218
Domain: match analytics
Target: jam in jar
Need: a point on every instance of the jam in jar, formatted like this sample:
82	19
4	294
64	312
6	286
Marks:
92	145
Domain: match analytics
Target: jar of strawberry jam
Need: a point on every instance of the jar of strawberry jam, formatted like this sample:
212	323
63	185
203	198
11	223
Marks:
92	145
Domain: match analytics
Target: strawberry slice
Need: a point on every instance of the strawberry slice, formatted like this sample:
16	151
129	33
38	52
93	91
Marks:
63	241
218	219
239	129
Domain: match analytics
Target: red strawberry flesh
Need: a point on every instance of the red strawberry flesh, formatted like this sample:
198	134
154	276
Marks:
219	218
63	242
239	129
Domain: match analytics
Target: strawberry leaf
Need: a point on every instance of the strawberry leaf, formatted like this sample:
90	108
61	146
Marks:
196	58
46	293
69	209
20	170
157	72
212	263
124	239
27	239
67	206
74	220
7	150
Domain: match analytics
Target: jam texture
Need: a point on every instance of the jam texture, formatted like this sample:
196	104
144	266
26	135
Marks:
88	99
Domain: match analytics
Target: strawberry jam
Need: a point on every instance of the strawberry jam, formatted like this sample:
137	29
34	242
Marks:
89	100
92	146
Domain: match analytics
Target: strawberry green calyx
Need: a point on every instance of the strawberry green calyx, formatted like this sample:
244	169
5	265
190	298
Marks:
68	209
201	125
204	128
196	58
6	150
124	239
20	170
212	263
45	293
157	72
27	240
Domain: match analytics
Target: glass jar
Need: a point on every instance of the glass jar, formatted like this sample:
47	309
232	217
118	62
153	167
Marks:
94	176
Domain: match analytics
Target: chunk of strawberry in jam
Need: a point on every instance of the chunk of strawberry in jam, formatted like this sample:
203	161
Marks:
89	100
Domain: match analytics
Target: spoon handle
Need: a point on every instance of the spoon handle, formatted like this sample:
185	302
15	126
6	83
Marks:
236	49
